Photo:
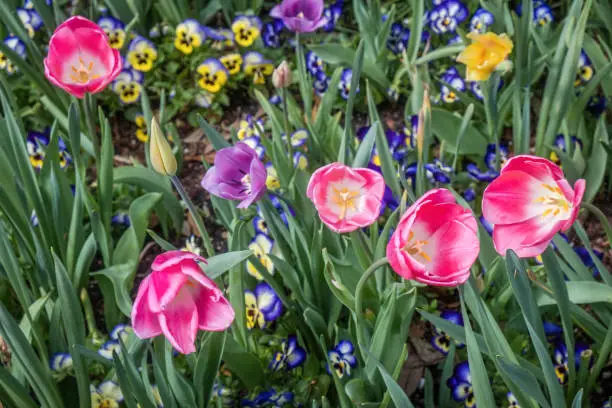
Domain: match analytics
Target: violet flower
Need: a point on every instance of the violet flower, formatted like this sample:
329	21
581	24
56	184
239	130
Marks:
300	16
238	174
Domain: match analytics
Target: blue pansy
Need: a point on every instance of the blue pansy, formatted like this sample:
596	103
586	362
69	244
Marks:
476	90
224	394
438	171
60	362
300	160
342	359
457	83
107	349
597	105
542	14
314	64
269	398
121	331
587	260
481	20
551	329
345	83
34	219
271	33
15	44
259	223
512	401
263	306
561	359
254	142
445	17
275	99
388	201
398	38
490	156
469	194
30	19
461	385
442	341
121	218
332	13
585	71
298	138
291	355
320	82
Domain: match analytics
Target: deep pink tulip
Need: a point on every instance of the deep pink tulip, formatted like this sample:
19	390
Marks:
80	59
436	241
346	199
529	203
300	16
177	299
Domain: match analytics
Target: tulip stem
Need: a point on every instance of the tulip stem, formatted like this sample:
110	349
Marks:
359	320
195	214
287	128
88	108
90	319
601	217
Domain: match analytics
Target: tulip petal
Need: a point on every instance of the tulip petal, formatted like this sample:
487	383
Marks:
179	322
144	321
527	238
214	313
542	169
511	198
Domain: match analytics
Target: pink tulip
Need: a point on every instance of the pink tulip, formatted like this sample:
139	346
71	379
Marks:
529	203
436	241
346	199
80	59
177	299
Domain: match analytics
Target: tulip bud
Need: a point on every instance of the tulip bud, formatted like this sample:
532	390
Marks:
281	78
162	158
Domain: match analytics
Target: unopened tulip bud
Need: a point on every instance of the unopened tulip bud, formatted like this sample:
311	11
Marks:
281	78
162	158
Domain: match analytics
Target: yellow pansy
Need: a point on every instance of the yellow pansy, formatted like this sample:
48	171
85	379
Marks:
142	54
214	75
127	86
189	35
232	62
141	132
261	246
272	181
256	66
115	31
246	30
485	53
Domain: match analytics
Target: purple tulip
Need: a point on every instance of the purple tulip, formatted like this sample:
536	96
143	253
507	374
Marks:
238	174
300	16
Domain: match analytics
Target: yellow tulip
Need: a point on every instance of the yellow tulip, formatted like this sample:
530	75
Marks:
485	53
162	158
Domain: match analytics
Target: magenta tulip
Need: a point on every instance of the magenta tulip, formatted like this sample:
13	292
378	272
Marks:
177	299
436	241
238	174
80	58
529	203
346	199
300	16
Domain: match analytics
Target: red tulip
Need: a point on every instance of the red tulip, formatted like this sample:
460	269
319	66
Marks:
80	59
529	203
436	241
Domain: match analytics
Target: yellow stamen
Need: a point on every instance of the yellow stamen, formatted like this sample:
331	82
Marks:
416	247
82	74
555	201
345	199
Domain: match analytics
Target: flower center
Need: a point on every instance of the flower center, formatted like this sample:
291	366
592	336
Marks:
555	201
82	74
246	182
345	199
300	14
416	247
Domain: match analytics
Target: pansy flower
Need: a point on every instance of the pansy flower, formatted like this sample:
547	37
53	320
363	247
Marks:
332	14
481	20
300	161
258	67
246	30
442	341
490	156
448	94
469	194
260	225
34	219
342	359
398	38
461	385
30	19
108	348
270	398
262	246
106	395
586	258
250	126
560	144
263	306
561	359
141	54
476	90
409	132
298	138
121	218
584	73
320	82
189	36
445	17
14	43
159	30
272	179
271	33
232	62
345	83
214	75
36	143
254	142
141	128
542	14
128	85
115	31
121	331
291	355
438	171
221	38
223	394
60	362
512	401
597	105
314	64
